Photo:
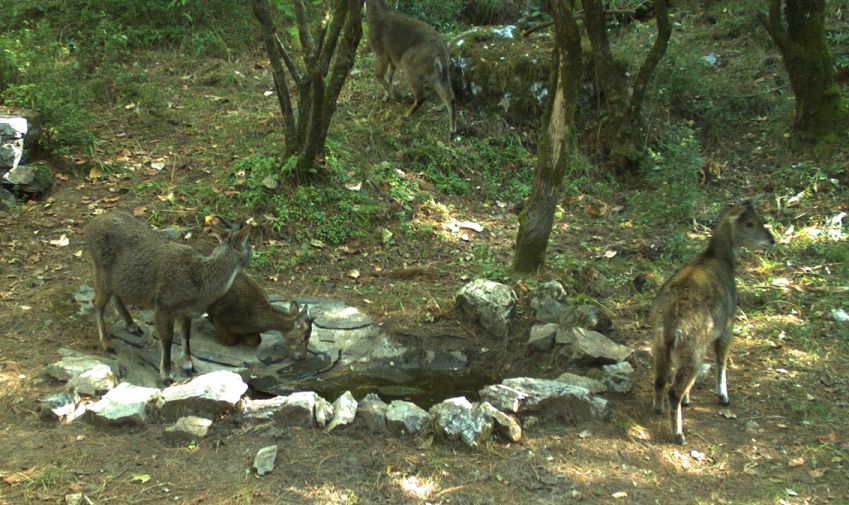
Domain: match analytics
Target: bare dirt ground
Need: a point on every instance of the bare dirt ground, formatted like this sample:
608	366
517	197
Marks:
783	440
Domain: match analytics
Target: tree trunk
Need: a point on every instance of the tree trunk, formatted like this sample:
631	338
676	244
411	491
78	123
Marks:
556	145
621	132
326	64
803	46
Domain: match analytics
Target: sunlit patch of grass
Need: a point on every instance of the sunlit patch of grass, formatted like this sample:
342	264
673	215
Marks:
49	479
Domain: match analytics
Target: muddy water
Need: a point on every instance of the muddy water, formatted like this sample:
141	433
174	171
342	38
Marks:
424	388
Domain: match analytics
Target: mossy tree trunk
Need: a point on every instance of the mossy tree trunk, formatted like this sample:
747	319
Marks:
621	134
803	46
557	146
318	78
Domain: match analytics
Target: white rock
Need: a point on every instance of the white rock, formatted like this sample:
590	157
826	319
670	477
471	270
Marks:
489	303
548	397
60	406
591	347
344	411
93	381
264	460
73	365
125	404
549	303
189	428
542	337
456	418
371	413
617	377
323	412
208	394
298	409
505	424
406	417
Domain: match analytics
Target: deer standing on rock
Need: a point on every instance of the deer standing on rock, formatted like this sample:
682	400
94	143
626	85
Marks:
414	47
142	267
694	310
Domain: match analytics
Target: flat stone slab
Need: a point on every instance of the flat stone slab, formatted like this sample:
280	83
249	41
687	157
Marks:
548	397
341	335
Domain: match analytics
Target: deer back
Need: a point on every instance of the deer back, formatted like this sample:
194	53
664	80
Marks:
410	44
245	308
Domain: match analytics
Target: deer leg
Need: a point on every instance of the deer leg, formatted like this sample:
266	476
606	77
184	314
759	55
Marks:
383	65
130	325
685	376
443	89
661	375
420	97
101	298
186	362
165	331
721	349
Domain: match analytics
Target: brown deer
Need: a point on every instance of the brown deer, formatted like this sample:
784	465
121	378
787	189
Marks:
414	47
694	310
244	312
142	267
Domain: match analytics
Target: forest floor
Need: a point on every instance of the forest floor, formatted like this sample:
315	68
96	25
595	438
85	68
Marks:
784	439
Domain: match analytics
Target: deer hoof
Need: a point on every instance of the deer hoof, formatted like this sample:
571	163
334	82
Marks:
135	329
679	439
724	400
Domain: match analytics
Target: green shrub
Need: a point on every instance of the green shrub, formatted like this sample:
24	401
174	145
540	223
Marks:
672	172
44	78
442	14
328	212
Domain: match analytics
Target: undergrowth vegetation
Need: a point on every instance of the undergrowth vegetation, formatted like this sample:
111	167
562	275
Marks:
720	83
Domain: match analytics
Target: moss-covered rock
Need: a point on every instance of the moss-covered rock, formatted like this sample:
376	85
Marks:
494	68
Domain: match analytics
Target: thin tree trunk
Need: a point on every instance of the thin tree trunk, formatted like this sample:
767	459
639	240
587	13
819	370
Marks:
327	62
260	8
621	132
810	67
556	146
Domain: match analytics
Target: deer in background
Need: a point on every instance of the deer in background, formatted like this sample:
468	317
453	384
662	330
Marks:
694	310
244	312
139	266
414	47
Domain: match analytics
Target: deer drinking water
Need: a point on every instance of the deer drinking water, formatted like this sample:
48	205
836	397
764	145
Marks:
414	47
141	267
244	312
695	308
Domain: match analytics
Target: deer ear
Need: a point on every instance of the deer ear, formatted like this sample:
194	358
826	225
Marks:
735	212
242	235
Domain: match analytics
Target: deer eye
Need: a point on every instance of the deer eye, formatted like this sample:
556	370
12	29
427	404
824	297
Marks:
749	224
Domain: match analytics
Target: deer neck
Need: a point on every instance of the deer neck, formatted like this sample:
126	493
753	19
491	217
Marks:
221	268
722	246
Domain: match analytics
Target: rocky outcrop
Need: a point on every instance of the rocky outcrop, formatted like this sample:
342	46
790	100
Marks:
490	304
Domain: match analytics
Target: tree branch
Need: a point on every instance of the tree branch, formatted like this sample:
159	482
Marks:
328	47
290	64
260	8
772	24
664	32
